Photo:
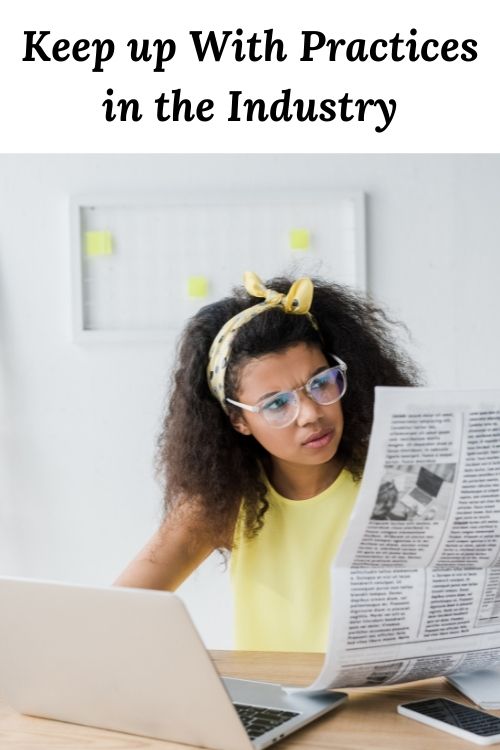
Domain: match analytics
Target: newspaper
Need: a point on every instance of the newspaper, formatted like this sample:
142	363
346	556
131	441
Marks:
416	582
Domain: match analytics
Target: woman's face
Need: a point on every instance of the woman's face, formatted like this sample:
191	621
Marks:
314	437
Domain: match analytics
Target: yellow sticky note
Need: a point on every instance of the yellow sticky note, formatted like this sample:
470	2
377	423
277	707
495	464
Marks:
98	243
300	239
197	286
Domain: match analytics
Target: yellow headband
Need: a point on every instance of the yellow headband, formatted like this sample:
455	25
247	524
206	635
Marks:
296	302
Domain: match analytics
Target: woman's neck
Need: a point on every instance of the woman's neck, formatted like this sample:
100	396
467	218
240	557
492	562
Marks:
299	482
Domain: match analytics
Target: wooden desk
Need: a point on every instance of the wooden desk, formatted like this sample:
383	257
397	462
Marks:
368	721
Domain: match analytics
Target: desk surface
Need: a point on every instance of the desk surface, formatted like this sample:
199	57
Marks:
367	721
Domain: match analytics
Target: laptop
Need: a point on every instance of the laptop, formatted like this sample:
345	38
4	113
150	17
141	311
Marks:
426	489
131	660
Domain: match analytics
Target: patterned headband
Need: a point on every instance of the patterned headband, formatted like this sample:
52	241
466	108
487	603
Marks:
296	302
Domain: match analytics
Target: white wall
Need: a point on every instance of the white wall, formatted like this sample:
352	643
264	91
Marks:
79	423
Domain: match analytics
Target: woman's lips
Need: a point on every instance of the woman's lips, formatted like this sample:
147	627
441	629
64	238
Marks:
319	440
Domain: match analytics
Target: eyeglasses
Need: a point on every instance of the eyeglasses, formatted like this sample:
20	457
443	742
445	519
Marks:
325	388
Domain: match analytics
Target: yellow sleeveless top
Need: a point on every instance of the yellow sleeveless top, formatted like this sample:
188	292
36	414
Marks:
281	578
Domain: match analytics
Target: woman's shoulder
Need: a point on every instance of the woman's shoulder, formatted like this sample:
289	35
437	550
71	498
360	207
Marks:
193	521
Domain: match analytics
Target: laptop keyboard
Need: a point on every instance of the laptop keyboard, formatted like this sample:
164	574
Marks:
258	720
421	496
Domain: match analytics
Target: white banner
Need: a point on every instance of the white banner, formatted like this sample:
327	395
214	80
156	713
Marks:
116	76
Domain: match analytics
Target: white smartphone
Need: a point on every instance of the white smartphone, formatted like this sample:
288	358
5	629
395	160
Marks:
455	718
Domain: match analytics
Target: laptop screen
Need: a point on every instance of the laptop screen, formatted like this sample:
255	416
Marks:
429	482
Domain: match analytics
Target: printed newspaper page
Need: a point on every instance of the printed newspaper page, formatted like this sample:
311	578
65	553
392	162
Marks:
416	583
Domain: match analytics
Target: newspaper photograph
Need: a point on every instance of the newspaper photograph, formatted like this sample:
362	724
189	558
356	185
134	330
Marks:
416	582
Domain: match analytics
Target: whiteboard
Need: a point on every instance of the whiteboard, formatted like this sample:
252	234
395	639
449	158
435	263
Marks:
143	264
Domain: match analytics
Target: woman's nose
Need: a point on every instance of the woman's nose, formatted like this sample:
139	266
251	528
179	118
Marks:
309	410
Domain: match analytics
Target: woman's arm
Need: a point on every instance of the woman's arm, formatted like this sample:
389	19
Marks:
173	552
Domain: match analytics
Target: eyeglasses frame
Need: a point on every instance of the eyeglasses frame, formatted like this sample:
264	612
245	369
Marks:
257	409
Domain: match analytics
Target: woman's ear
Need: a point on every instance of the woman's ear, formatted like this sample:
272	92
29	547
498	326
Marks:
239	423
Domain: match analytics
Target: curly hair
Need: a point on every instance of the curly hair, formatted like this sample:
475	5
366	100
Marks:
205	463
